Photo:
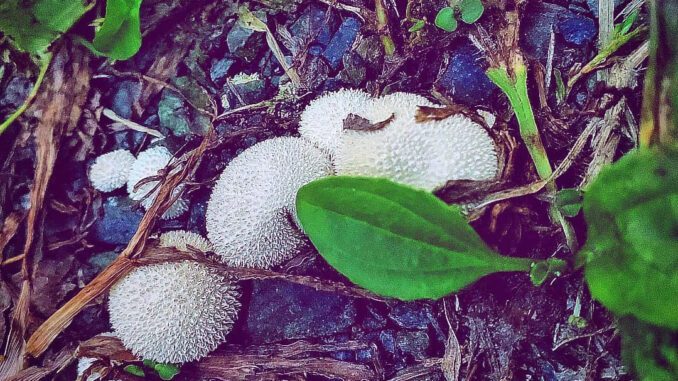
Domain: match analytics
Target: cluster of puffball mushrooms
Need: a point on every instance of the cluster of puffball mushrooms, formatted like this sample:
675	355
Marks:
180	312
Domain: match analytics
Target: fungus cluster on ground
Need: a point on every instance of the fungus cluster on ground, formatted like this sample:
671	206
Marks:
178	312
113	170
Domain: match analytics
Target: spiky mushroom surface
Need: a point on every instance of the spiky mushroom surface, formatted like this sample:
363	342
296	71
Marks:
182	240
173	312
251	213
424	155
322	121
111	170
402	106
148	164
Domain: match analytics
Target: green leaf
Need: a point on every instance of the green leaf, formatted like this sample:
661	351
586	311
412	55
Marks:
632	215
569	201
166	371
135	370
34	25
394	240
625	26
471	10
445	20
417	26
120	34
650	352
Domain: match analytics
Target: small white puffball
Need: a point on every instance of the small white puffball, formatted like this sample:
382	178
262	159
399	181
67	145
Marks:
322	121
110	170
251	214
173	312
148	164
423	155
182	239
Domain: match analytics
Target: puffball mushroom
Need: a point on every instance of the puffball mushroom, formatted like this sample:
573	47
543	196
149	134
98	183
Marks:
147	164
173	312
182	239
111	170
251	214
322	121
424	155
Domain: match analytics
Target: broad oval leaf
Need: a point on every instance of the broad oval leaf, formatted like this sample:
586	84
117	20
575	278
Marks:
632	249
394	240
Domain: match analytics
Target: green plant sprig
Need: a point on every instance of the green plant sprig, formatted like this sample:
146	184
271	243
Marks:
468	10
516	91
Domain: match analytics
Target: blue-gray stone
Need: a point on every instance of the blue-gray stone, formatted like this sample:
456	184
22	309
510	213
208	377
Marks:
101	260
577	30
245	43
16	91
119	221
388	341
341	42
414	343
219	70
282	310
311	26
541	18
411	315
126	93
464	78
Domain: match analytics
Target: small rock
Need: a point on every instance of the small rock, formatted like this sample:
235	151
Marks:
414	344
341	42
311	27
282	310
354	71
128	139
102	260
126	93
371	51
541	18
577	30
464	78
245	43
388	341
119	222
412	315
314	72
248	89
15	92
373	321
52	282
196	217
219	70
173	114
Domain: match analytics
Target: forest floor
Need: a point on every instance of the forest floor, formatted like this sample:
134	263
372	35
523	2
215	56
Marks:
211	88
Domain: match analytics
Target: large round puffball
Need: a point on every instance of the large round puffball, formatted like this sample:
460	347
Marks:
322	121
173	312
251	214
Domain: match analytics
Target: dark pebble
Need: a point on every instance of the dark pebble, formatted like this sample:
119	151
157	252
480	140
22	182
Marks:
282	310
126	93
220	70
413	315
15	92
464	78
118	223
245	43
341	42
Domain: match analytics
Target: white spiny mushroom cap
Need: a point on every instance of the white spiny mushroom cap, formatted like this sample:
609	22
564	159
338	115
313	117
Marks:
182	239
424	155
110	170
173	312
322	121
251	211
148	164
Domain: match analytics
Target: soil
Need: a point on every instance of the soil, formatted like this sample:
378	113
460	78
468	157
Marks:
296	323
